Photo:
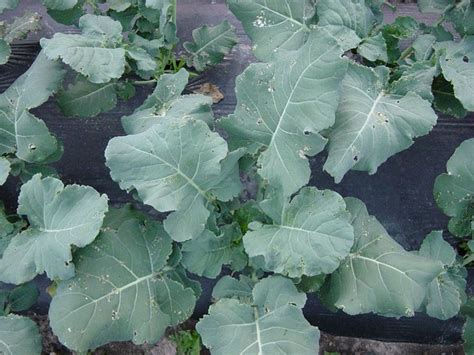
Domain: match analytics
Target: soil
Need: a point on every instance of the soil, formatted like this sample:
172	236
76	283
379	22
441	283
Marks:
328	344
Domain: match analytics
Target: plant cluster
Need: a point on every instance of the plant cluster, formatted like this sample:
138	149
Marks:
331	76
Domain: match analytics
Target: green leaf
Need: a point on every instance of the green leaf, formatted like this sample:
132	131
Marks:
274	323
120	291
402	28
282	106
206	254
444	99
60	5
145	64
21	298
446	293
468	336
5	51
86	99
210	45
175	166
8	5
373	48
378	276
354	15
7	230
274	26
434	6
454	191
21	132
373	124
4	170
59	218
457	63
94	53
19	335
68	17
119	5
313	236
21	26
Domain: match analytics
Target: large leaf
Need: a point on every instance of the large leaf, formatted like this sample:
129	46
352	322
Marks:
4	170
120	291
457	63
176	166
19	336
273	323
454	191
373	124
95	53
312	237
210	45
59	218
282	106
206	254
86	99
378	276
274	25
21	132
446	293
354	15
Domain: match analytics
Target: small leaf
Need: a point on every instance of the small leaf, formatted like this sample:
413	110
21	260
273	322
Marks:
274	323
206	254
417	78
457	63
210	45
5	51
94	53
434	6
378	276
454	191
274	26
59	218
423	47
446	293
59	5
86	99
19	335
4	170
444	99
120	292
70	16
312	238
373	124
373	48
8	5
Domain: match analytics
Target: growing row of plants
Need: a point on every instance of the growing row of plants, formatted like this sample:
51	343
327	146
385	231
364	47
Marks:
331	76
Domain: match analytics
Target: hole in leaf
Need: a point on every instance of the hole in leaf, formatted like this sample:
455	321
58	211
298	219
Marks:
465	59
306	132
356	158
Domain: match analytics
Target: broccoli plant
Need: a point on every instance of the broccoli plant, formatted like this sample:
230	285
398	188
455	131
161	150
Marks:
331	76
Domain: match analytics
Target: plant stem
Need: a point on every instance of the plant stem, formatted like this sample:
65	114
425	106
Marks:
406	53
144	82
390	5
